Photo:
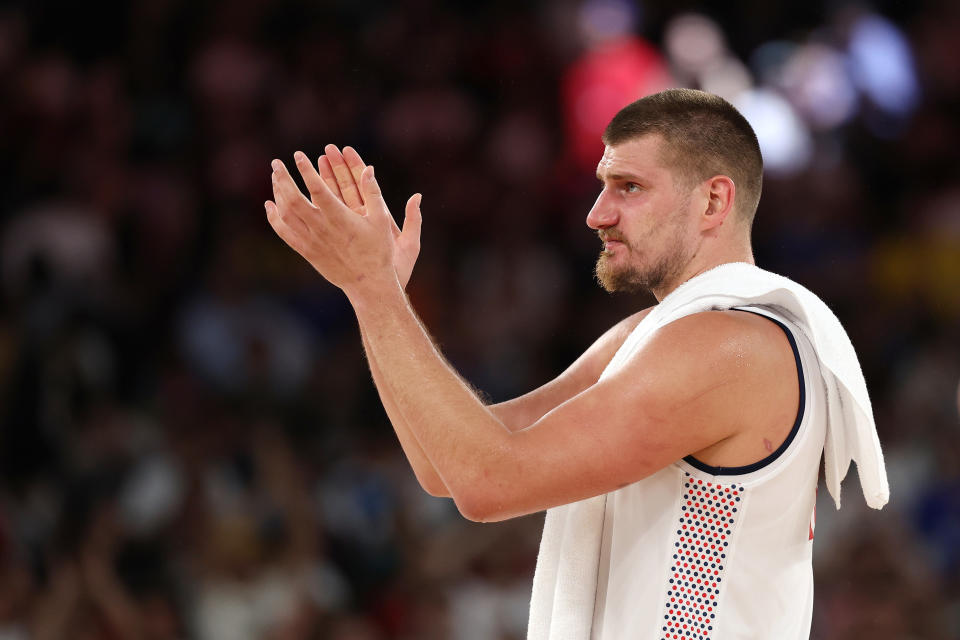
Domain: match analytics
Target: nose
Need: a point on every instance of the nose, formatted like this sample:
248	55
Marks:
604	213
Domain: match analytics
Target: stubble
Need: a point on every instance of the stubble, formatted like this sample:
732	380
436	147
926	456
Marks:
632	275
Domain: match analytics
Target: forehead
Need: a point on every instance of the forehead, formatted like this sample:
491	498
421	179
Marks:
640	156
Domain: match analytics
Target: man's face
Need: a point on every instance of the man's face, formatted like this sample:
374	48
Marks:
642	216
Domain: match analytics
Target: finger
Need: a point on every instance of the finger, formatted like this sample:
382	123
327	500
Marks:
354	162
413	218
372	194
348	186
289	198
273	217
311	178
281	228
356	166
326	172
283	211
285	188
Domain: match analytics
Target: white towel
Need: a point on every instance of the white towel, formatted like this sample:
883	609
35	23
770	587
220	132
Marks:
565	581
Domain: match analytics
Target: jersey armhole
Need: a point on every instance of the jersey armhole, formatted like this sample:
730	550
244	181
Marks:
756	466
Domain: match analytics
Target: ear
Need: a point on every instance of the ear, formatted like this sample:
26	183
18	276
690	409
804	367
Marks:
720	192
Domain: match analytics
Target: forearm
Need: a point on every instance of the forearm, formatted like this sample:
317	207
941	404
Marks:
519	413
460	436
422	467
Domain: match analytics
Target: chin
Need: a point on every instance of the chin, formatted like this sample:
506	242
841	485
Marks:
618	278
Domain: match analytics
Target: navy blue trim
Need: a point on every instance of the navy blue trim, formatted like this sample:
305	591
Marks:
756	466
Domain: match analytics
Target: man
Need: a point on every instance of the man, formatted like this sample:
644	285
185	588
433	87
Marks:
678	456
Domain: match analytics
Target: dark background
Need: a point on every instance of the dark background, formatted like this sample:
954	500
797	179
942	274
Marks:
190	444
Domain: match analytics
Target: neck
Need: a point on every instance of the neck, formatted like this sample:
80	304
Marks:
697	266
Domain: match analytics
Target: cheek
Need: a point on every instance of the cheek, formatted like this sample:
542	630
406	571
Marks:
649	221
657	230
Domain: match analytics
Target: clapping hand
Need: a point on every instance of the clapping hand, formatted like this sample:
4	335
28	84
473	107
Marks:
345	230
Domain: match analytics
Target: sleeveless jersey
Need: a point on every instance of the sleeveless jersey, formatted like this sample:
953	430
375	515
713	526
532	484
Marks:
695	552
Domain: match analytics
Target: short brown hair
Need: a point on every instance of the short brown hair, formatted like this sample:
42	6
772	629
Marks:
705	136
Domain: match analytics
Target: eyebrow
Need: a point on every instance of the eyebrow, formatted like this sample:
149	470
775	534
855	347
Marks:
620	176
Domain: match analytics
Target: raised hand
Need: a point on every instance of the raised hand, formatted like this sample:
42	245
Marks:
351	251
341	173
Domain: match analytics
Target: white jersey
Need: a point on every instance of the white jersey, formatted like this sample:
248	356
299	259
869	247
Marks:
696	552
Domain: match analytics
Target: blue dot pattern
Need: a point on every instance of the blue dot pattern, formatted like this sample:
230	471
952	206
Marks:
708	513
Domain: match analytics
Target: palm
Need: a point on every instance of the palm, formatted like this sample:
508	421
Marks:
341	173
406	249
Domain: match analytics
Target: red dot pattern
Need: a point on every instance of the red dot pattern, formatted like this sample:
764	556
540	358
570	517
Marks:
708	513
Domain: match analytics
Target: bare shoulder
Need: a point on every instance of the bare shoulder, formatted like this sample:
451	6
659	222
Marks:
715	382
731	333
729	367
737	369
706	350
706	383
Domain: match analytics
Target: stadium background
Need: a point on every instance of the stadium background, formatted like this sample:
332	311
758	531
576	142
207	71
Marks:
190	445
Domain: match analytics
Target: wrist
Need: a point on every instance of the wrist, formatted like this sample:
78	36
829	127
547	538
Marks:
371	293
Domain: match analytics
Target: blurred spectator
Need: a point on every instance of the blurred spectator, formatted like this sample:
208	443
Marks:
190	446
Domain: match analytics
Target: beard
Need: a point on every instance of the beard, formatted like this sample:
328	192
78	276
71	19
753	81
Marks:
631	277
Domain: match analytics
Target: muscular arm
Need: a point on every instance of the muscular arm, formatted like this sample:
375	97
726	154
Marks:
681	393
341	172
423	469
517	413
690	386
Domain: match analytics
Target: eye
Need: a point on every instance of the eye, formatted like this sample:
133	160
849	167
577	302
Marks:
632	187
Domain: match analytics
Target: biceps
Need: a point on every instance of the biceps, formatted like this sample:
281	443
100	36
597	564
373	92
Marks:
602	439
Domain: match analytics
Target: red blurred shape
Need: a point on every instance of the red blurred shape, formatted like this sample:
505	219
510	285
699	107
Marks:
600	83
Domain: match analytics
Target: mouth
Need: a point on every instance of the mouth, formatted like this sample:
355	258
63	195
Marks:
610	237
609	246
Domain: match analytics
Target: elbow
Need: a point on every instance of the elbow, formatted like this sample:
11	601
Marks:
469	511
480	506
434	486
437	489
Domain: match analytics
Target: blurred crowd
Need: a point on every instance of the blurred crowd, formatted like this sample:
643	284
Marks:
190	444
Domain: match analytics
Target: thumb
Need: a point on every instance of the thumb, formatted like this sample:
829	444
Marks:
412	217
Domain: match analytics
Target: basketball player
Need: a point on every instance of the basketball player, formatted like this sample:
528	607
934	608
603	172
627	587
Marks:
701	442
